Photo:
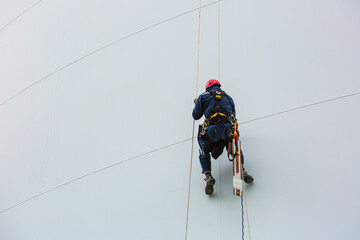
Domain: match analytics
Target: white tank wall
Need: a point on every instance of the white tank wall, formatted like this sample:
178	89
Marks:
135	96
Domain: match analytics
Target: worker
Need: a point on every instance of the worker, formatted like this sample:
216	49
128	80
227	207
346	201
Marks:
219	111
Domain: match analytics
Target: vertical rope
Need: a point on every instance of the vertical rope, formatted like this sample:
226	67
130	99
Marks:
220	226
247	215
246	208
219	36
198	53
193	128
242	218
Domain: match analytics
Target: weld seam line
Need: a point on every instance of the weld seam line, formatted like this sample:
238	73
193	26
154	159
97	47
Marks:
26	10
167	146
99	49
94	172
301	107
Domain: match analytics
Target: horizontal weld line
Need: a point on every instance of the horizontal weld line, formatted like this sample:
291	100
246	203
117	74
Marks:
99	49
94	172
301	107
26	10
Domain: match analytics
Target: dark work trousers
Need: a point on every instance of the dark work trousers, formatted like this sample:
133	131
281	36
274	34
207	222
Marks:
215	148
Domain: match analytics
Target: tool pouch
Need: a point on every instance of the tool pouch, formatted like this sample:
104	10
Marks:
221	132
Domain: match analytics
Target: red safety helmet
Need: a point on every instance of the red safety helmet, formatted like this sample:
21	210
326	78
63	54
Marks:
211	82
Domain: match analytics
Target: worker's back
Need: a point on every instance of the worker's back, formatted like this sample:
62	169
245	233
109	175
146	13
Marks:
205	104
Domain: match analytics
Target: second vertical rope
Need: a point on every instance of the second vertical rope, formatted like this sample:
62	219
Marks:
193	127
218	8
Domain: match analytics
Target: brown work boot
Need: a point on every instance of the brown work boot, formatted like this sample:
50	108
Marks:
247	177
210	182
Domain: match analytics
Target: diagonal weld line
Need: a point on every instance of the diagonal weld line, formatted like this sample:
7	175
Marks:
18	16
102	48
301	107
94	172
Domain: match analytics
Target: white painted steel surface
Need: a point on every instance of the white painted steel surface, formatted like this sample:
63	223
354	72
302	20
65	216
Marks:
135	96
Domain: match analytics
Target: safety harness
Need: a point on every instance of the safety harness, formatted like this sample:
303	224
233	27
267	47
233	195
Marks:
220	116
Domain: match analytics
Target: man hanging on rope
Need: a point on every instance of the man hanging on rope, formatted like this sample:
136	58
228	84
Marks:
219	111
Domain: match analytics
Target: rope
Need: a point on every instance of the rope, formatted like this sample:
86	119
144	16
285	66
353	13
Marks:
198	53
193	127
190	174
242	218
242	209
219	36
219	184
247	215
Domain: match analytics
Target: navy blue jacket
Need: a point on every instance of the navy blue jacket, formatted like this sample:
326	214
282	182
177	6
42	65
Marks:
205	104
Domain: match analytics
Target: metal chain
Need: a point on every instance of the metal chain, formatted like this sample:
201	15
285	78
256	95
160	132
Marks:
242	207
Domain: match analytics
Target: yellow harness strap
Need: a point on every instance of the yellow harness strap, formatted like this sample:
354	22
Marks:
218	113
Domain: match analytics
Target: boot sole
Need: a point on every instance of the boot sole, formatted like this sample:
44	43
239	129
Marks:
211	182
209	189
249	180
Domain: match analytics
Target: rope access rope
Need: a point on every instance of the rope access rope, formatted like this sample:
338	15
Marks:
242	206
247	215
218	12
242	218
246	208
219	36
193	128
244	196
